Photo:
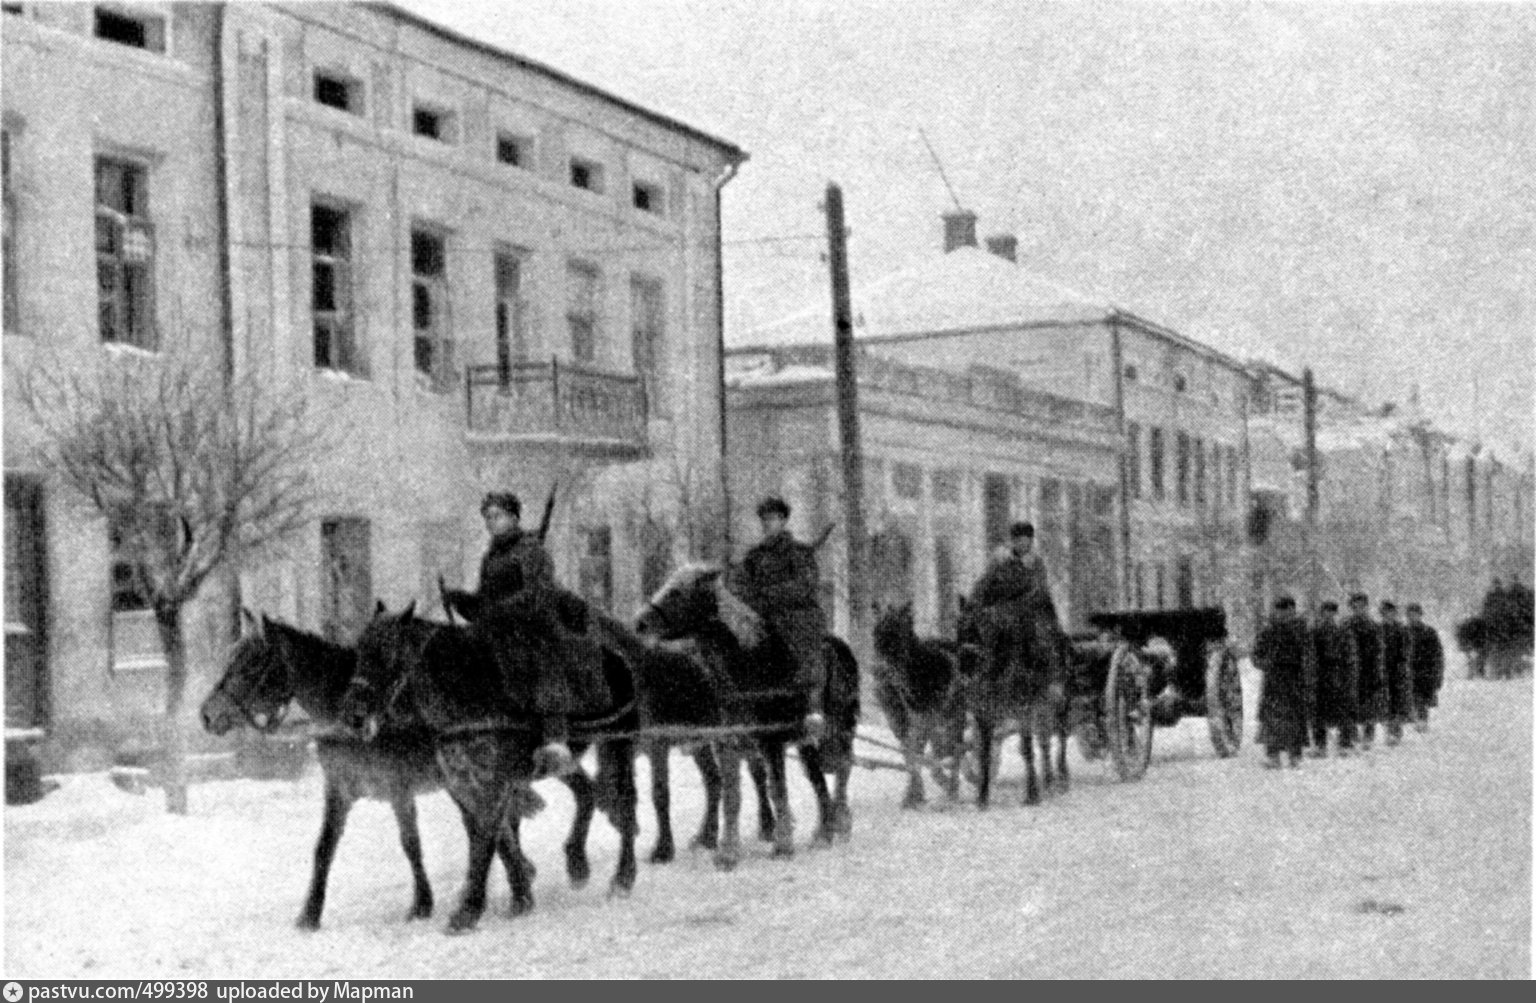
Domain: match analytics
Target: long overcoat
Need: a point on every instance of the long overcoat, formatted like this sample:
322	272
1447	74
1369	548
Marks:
1426	660
1283	652
1370	705
1338	674
1394	663
779	579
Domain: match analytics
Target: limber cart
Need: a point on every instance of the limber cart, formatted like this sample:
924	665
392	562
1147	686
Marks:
1148	668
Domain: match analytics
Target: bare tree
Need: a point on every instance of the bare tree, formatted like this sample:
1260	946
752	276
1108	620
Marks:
196	472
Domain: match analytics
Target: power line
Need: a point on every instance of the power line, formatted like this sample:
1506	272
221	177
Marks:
942	176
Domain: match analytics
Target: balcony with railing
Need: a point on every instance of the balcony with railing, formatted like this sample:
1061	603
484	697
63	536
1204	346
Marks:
556	403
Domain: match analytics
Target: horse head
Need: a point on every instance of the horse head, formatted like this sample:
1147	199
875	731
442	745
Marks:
256	684
687	602
389	652
894	633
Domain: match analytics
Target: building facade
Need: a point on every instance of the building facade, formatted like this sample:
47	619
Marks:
486	274
1177	489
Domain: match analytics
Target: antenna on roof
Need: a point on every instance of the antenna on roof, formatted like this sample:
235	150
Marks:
944	177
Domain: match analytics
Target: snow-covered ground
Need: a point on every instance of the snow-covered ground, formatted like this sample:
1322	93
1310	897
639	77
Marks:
1413	862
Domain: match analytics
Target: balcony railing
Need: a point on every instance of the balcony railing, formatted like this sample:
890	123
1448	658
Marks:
557	401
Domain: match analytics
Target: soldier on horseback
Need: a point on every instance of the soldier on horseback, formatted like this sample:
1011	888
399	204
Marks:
1017	575
517	574
779	579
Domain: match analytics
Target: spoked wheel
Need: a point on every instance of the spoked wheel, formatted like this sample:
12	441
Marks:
1223	700
1128	714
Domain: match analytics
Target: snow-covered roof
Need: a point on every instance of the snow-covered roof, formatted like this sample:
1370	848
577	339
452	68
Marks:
767	376
966	289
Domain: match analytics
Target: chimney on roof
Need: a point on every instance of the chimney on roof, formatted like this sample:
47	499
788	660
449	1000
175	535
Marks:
1004	245
959	229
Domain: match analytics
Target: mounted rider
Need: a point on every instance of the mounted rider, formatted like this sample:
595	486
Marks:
778	578
1016	580
517	577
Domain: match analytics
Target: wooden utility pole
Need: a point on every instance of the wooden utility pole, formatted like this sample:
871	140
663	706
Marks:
847	416
1309	524
1117	359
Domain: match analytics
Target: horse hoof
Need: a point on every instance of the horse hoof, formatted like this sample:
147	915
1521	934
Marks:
823	838
307	923
842	821
913	802
726	861
521	906
462	922
577	869
619	890
703	842
765	834
422	910
783	851
663	855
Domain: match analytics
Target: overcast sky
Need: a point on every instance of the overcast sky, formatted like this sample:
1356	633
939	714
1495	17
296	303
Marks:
1347	186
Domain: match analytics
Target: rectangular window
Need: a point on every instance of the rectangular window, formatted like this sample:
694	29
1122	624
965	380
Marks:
946	585
996	508
907	480
511	338
516	151
1181	457
1161	582
1217	488
125	254
596	571
135	638
433	123
141	31
1186	583
1232	474
655	557
1141	585
945	484
647	313
1133	458
647	198
1155	457
442	557
330	237
346	578
1199	471
8	226
581	293
433	333
586	175
336	90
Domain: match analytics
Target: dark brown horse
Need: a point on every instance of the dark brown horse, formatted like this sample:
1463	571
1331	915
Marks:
485	729
1016	671
922	693
760	700
275	665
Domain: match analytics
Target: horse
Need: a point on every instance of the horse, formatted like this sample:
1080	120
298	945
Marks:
1016	671
487	733
758	695
678	697
273	666
922	693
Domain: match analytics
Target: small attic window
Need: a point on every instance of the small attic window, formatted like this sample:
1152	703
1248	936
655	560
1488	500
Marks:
586	175
336	90
1180	383
514	150
647	198
141	31
433	123
1130	372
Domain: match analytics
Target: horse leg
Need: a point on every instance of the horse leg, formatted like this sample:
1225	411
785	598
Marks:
759	773
577	868
661	800
404	804
616	772
728	854
912	741
481	827
984	726
520	870
1064	781
816	773
784	824
842	815
1027	750
337	805
709	769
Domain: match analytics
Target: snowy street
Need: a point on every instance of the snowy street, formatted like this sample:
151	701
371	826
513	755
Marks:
1413	862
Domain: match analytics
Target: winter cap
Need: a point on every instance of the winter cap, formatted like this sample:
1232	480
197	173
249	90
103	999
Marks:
773	505
504	500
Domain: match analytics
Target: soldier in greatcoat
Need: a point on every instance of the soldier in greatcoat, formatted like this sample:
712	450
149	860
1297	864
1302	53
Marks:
1399	677
1426	661
1338	681
517	578
779	579
1371	695
1283	652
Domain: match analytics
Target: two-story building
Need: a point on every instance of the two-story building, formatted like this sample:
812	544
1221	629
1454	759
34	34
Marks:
486	274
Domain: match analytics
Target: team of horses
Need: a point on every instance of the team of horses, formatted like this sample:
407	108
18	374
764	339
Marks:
419	704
